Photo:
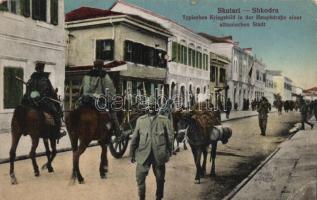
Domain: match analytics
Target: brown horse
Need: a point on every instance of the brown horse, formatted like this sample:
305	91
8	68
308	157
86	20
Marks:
87	124
202	129
29	121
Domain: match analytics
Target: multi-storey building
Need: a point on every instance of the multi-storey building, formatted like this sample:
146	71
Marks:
282	85
242	71
133	46
31	31
188	56
269	87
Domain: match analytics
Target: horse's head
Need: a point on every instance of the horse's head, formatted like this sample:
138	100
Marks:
182	121
227	133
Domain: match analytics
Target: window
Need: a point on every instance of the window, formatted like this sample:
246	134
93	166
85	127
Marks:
185	55
190	57
264	77
128	50
54	12
104	49
174	52
213	73
222	75
194	58
13	89
257	75
141	54
25	8
39	10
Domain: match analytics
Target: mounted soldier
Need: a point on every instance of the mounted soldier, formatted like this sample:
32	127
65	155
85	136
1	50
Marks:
97	87
41	95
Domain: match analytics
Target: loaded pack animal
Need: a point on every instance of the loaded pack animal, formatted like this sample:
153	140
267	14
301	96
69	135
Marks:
86	124
37	124
202	129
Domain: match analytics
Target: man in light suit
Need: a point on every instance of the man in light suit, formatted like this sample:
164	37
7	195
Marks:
151	144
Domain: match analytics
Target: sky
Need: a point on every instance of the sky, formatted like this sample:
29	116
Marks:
288	45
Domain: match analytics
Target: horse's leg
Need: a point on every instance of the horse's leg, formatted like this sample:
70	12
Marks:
76	155
213	158
47	153
205	153
15	141
185	146
103	169
197	156
54	152
35	142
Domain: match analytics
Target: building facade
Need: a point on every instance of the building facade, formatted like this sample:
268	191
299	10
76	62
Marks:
31	31
282	85
269	87
135	46
188	57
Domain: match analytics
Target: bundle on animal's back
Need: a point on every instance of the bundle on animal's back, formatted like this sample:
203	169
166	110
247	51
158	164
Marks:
205	121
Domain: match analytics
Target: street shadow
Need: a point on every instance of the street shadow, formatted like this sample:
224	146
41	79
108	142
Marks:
219	153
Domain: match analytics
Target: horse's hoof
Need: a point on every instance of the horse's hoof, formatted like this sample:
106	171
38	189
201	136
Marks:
177	150
81	181
185	148
14	181
174	153
103	176
37	174
50	169
197	181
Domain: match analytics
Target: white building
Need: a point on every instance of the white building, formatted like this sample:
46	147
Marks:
269	87
244	73
188	55
136	45
31	31
282	85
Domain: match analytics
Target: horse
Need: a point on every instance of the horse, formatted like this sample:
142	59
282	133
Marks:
37	124
202	128
87	124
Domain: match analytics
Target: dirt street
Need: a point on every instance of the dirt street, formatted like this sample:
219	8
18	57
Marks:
245	150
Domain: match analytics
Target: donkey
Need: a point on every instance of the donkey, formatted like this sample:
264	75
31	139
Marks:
202	129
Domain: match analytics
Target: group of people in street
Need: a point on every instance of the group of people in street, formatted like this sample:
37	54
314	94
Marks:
153	136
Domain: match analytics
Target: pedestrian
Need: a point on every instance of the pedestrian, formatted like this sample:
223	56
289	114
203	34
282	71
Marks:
263	110
228	108
315	108
304	110
151	144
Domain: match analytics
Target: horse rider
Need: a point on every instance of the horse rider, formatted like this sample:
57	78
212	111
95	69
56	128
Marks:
151	144
263	110
304	110
41	94
97	87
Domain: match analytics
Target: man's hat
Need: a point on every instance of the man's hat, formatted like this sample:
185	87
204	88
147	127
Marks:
39	66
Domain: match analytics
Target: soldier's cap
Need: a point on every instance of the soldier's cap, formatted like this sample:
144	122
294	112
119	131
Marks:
39	66
98	63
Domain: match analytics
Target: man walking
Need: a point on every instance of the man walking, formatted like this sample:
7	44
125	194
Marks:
263	110
228	108
304	114
151	144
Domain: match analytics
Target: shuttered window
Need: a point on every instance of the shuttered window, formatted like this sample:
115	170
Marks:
13	89
54	12
105	49
174	52
39	10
